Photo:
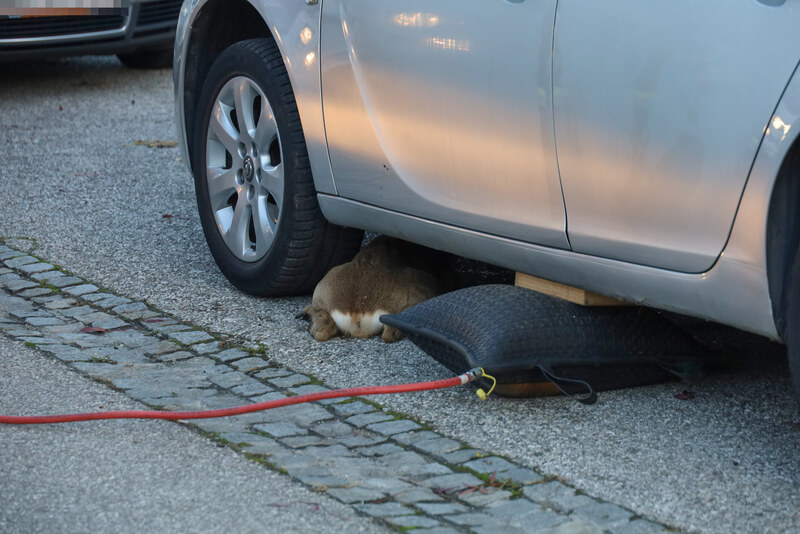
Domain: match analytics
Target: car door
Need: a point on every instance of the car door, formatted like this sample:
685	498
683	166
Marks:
660	107
442	109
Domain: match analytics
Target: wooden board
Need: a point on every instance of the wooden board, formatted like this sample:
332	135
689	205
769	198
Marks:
565	292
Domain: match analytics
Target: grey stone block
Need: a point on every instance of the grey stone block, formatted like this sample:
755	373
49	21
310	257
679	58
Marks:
557	496
390	428
333	429
345	409
111	302
413	521
43	321
109	323
289	381
19	261
605	514
81	289
47	275
190	337
490	464
247	365
641	526
362	420
230	355
280	430
437	446
65	281
407	438
381	450
578	526
206	348
273	372
452	481
385	509
251	388
34	292
442	508
354	495
18	285
35	268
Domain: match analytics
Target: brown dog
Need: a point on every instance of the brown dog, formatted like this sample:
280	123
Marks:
387	276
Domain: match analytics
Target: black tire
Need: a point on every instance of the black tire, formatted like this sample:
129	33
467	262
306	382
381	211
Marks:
157	58
792	314
296	246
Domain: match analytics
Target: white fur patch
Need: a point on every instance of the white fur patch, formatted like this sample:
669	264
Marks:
358	324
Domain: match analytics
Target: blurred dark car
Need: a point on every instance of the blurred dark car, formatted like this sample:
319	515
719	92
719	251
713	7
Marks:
141	34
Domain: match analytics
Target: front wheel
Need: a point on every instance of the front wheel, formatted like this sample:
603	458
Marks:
255	191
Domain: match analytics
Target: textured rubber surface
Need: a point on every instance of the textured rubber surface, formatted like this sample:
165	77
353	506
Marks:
306	246
513	333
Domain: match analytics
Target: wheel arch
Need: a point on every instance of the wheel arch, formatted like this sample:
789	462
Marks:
783	232
213	25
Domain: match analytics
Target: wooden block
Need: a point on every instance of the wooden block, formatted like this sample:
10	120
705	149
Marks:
565	292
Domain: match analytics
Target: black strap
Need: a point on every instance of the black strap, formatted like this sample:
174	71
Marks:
589	397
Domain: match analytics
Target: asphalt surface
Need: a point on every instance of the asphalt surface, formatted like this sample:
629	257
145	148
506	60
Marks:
123	216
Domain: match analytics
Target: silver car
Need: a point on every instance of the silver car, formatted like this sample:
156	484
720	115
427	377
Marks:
641	150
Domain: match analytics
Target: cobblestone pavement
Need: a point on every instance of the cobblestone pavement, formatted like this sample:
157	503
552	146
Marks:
385	465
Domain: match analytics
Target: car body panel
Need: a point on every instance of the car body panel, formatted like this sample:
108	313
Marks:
659	110
400	87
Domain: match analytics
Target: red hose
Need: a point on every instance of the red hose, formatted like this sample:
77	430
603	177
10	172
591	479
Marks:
249	408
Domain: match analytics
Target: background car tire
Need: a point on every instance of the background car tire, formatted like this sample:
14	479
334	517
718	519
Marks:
286	246
792	332
158	58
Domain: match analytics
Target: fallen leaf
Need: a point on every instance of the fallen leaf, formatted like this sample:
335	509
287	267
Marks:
166	216
156	143
684	395
92	330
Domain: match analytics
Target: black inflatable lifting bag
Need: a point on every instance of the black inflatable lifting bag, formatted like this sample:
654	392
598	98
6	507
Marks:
523	337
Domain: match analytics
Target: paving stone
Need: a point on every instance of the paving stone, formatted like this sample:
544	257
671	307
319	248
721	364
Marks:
133	338
154	323
36	268
47	275
190	337
19	261
264	447
230	379
64	281
361	439
247	365
301	414
437	530
66	353
390	428
605	514
111	302
407	438
280	430
175	356
241	438
5	278
43	321
472	519
457	481
78	311
413	521
486	497
17	285
362	420
59	303
40	340
641	526
354	495
500	529
266	397
161	347
297	442
490	464
170	328
385	509
82	289
110	323
117	354
7	254
130	307
322	482
410	463
442	508
34	292
138	315
437	446
230	355
557	496
314	388
206	348
381	450
222	424
521	475
251	388
289	381
579	526
273	372
417	495
345	409
333	429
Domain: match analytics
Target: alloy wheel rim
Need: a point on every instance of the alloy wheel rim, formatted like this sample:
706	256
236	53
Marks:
244	169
